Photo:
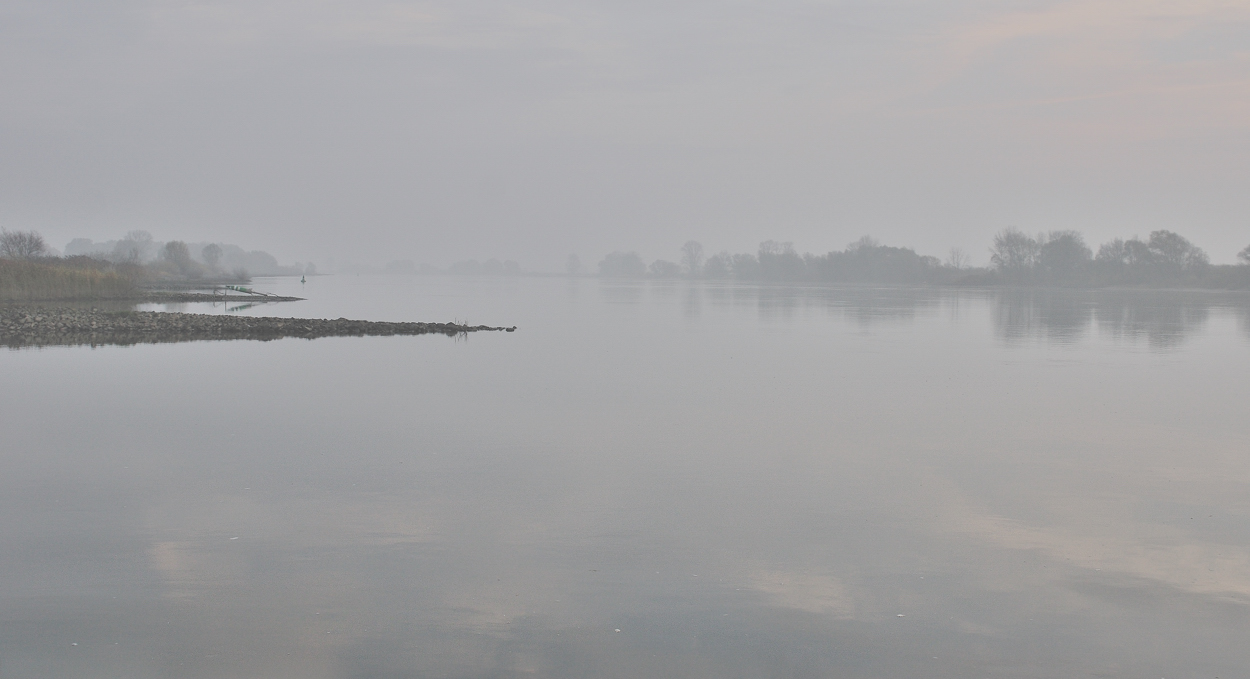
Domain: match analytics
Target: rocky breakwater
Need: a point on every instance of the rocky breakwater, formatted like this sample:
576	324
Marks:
23	326
174	297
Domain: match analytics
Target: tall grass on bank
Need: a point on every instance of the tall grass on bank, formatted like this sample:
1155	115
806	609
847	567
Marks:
71	278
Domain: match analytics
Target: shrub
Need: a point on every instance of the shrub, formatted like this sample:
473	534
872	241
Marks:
21	244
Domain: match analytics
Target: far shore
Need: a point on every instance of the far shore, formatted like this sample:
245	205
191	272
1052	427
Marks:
158	297
173	297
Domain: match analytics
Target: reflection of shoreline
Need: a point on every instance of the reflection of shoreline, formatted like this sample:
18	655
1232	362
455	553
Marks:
864	304
1163	318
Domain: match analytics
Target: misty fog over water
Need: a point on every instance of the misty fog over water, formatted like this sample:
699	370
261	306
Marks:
648	478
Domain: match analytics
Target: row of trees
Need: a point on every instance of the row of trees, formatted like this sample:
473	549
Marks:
1059	258
138	251
865	260
138	254
1063	258
173	258
28	272
176	258
179	258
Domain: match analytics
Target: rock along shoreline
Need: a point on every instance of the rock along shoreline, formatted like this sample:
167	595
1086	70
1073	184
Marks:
161	297
27	326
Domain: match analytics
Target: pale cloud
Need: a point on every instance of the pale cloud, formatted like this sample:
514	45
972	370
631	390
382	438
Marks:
808	591
179	566
927	124
1094	535
1123	56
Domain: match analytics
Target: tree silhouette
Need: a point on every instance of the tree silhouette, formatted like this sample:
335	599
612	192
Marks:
692	258
1014	252
623	265
1064	257
177	253
211	255
21	244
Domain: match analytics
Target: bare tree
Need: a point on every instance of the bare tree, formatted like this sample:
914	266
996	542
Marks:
864	243
780	261
957	259
1014	251
177	253
772	247
1173	251
21	244
1244	255
211	254
663	269
622	265
134	247
718	266
692	258
1064	255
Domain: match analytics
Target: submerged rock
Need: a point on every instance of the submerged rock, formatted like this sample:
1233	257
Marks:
22	326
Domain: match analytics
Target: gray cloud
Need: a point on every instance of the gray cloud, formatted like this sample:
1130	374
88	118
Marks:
441	130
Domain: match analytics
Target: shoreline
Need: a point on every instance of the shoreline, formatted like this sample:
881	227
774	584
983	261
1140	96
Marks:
153	297
164	297
25	326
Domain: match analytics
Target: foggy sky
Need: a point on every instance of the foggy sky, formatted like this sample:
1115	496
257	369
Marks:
436	131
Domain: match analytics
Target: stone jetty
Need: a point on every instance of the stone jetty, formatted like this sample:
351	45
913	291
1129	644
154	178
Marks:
174	297
23	326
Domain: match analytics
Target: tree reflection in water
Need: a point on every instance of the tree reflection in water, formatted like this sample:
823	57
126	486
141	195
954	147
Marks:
1163	319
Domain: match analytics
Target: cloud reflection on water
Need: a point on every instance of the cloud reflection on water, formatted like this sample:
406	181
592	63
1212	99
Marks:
745	480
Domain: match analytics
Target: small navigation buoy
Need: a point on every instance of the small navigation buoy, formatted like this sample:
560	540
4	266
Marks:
302	279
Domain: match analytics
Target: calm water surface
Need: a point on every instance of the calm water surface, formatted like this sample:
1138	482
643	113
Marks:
645	480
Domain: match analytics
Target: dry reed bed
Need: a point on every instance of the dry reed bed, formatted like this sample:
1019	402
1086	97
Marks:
22	280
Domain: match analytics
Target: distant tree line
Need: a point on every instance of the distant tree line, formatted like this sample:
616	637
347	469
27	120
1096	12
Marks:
189	260
29	272
134	257
1063	258
1058	258
863	261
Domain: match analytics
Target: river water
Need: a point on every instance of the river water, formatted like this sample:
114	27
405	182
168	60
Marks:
647	479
